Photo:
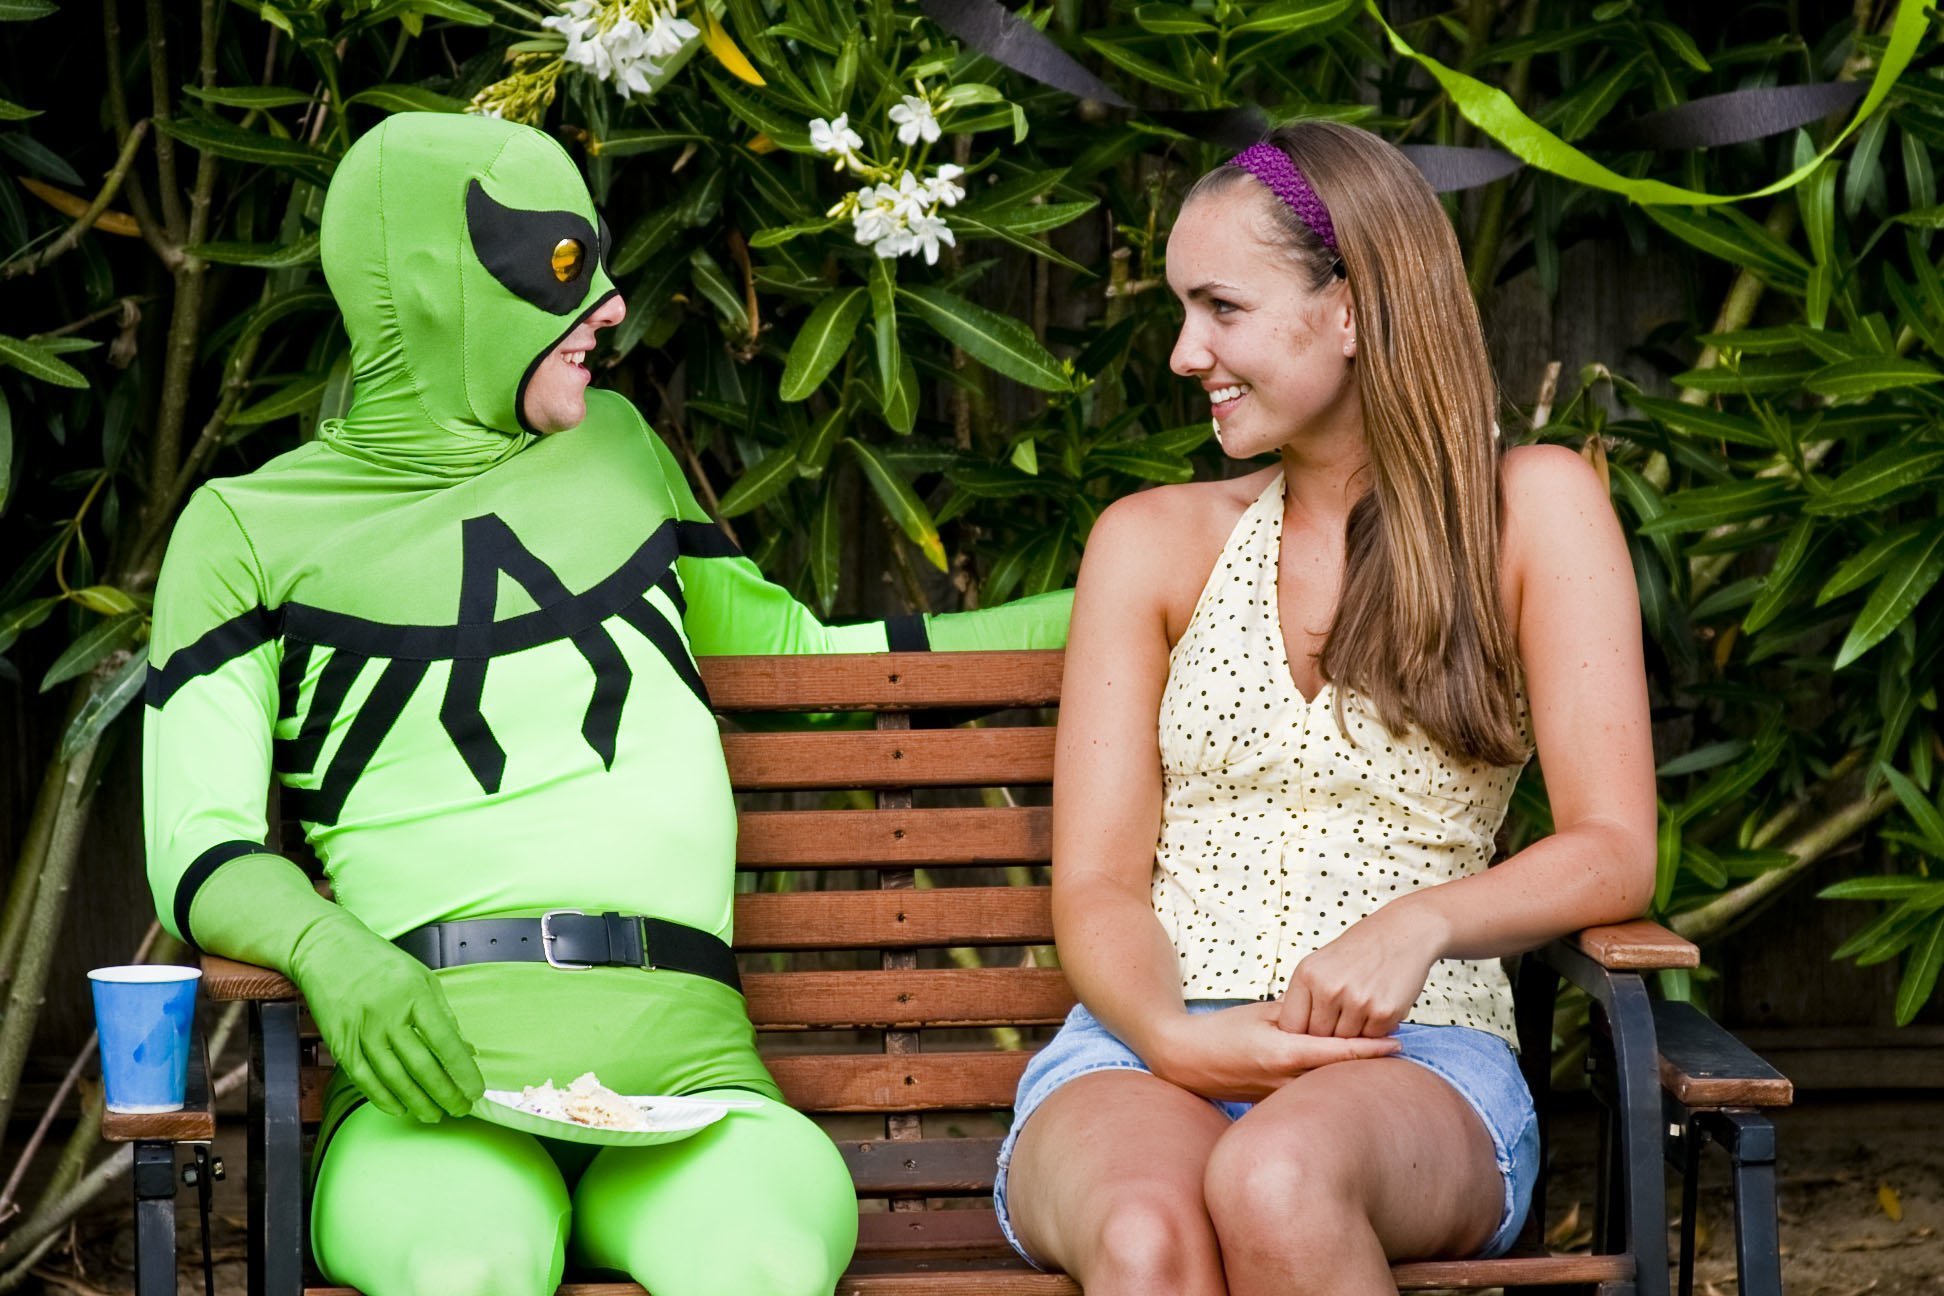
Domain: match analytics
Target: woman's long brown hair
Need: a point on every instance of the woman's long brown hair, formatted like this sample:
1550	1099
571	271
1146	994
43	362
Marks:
1419	630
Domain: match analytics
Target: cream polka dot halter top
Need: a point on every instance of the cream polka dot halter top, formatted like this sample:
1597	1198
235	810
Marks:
1277	832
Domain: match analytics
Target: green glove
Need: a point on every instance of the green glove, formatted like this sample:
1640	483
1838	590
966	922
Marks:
1036	622
380	1011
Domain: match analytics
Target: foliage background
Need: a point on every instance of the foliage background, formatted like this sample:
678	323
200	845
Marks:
1773	442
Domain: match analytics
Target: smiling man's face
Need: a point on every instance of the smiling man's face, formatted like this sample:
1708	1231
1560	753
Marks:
556	394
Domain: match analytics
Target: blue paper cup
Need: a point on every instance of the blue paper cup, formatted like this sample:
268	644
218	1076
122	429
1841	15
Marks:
143	1014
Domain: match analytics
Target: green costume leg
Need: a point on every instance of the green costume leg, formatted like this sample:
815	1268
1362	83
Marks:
759	1204
460	1208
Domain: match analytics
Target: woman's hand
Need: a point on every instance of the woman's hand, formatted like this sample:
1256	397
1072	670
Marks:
1240	1054
1365	981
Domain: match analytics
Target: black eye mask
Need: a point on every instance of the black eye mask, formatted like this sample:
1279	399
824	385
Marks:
529	252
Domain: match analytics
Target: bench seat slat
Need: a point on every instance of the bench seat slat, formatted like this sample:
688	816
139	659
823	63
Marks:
882	681
906	1000
936	838
931	1166
807	920
760	762
850	1082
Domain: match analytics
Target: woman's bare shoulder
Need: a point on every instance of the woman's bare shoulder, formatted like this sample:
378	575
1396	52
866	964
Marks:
1160	544
1557	515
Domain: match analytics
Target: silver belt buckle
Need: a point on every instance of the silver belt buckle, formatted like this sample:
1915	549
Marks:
547	940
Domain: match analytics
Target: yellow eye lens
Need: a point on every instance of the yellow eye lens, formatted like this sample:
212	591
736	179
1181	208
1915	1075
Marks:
566	259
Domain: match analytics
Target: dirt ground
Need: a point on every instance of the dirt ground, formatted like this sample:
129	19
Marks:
1862	1209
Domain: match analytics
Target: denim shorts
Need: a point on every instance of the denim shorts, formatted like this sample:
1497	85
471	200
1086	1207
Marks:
1478	1064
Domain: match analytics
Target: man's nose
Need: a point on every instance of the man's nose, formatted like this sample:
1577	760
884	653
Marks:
611	312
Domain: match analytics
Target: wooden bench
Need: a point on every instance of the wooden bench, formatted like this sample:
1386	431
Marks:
859	946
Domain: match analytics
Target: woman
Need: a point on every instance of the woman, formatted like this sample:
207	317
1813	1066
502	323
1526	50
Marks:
1296	703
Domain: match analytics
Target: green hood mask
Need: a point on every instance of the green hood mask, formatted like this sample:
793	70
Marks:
462	250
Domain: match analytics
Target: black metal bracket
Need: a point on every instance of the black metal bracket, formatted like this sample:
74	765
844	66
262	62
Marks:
1748	1137
275	1152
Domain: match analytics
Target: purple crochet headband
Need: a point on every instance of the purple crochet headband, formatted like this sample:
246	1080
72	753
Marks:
1272	166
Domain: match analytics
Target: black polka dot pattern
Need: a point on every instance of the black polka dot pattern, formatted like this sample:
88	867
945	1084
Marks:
1279	829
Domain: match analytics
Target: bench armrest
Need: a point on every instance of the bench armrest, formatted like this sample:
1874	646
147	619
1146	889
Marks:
1703	1066
227	981
194	1123
1638	946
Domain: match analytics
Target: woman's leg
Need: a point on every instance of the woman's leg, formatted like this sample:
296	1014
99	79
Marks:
460	1208
1325	1182
758	1204
1106	1183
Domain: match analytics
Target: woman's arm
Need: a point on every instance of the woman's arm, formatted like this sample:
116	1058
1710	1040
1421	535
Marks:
1107	817
1579	642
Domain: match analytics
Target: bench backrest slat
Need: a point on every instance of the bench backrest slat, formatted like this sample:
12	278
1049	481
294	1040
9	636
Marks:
923	838
811	920
881	681
907	1000
761	762
914	1082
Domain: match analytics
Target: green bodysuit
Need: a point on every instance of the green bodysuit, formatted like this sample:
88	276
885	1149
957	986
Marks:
466	653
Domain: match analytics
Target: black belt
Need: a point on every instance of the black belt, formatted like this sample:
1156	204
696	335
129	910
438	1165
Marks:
573	940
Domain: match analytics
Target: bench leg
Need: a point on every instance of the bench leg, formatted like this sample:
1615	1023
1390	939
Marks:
275	1151
1749	1139
155	1219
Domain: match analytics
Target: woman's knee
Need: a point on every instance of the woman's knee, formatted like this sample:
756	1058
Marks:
1148	1238
1297	1190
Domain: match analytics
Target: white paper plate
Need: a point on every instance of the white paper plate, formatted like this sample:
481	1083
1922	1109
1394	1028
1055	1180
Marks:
665	1118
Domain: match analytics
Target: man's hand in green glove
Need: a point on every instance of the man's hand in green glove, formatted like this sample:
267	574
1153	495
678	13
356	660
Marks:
380	1010
386	1021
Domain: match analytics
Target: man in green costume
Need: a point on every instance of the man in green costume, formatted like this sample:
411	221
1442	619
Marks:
465	648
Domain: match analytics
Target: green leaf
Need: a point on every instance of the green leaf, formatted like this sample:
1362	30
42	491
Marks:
1886	937
259	97
1739	242
1284	16
1918	806
37	361
1144	462
1756	375
105	599
266	256
6	450
1033	218
1893	886
22	617
240	145
39	158
1141	68
1896	595
105	703
456	10
901	502
1171	20
899	401
778	235
1710	506
1701	421
1667	861
627	143
1002	344
826	541
294	398
1881	474
1702	758
713	284
813	452
407	98
972	227
1781	579
762	482
1864	165
92	646
14	112
883	281
645	238
25	10
1920	974
821	342
1869	562
1680	44
1853	378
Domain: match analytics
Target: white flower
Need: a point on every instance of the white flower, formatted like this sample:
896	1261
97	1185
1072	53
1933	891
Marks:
910	197
836	138
927	232
944	187
876	220
669	34
915	120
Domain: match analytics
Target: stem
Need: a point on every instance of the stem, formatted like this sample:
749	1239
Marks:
118	112
86	220
165	161
29	989
1731	909
1490	231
